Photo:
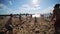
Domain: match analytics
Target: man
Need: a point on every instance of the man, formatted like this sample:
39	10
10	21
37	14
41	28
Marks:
9	25
56	14
20	19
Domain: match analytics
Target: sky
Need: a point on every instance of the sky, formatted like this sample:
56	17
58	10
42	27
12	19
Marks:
27	6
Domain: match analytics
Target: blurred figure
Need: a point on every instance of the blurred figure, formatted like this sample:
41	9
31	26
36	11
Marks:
56	14
20	23
9	25
35	21
30	18
26	17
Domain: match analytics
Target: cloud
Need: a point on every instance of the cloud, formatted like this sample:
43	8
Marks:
4	9
10	2
48	10
26	8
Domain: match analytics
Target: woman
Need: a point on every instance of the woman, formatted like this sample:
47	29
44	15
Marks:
56	14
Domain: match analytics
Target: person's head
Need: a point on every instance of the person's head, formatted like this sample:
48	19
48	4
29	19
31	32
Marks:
10	19
11	15
57	6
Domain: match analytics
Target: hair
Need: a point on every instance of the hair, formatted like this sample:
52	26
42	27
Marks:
57	6
11	15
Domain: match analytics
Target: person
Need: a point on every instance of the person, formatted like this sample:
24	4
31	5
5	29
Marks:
35	21
20	23
56	14
30	18
9	25
26	17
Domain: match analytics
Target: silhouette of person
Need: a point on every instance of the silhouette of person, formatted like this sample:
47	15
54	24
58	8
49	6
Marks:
30	18
20	17
26	17
9	25
20	20
35	20
56	14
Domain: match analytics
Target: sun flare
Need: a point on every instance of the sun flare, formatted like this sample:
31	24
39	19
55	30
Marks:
34	1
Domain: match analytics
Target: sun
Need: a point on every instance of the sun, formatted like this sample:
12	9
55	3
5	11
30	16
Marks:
34	1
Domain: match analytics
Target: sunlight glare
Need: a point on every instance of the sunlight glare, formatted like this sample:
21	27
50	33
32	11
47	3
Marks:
34	1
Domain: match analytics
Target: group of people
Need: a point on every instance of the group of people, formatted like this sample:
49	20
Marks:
56	14
9	26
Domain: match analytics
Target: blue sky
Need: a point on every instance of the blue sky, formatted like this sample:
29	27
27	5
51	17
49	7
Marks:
27	6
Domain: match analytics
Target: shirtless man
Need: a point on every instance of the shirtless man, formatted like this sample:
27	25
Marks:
9	25
56	14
